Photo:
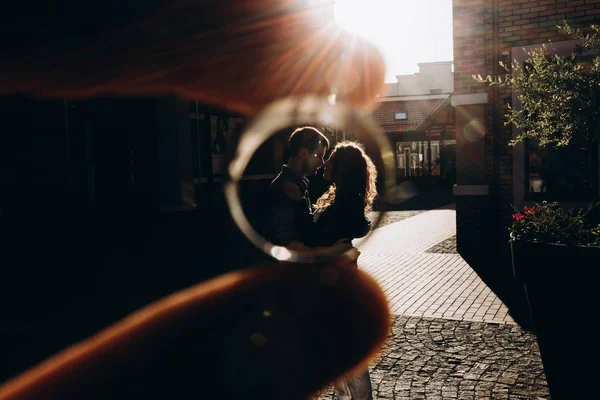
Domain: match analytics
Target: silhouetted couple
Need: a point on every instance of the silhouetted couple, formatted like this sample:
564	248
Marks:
338	216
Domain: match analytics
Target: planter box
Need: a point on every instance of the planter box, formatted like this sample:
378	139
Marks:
563	293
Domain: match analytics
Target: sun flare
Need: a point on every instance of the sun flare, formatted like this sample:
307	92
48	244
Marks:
407	32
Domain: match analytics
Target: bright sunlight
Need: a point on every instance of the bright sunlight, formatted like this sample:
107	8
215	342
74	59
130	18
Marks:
407	32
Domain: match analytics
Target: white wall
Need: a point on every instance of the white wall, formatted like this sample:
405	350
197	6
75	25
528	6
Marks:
434	75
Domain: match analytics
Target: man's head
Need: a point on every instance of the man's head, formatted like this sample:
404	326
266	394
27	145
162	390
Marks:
307	148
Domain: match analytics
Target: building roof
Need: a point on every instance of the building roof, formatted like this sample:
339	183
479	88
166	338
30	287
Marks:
417	112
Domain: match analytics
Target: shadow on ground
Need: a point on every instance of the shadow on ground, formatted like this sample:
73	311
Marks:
493	263
412	197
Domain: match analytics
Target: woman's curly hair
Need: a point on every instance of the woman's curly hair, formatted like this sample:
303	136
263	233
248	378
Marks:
354	174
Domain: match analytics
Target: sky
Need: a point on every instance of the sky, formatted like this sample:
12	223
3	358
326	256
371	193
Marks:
407	32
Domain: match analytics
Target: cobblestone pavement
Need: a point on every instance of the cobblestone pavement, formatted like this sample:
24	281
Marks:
451	338
391	217
447	246
437	359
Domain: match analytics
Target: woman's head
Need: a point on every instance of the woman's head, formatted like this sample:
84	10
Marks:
352	173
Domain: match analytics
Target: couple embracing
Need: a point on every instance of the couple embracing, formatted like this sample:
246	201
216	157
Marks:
338	215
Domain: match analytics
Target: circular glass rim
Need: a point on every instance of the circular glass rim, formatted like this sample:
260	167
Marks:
301	111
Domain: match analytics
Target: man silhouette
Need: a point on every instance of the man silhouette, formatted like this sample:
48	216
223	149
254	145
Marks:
289	223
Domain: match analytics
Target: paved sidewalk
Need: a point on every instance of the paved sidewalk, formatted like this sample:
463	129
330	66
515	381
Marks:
451	337
424	284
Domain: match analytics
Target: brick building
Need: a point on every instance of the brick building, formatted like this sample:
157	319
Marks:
493	177
486	32
416	116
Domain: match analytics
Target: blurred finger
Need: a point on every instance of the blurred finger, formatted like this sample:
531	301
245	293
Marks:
240	54
276	332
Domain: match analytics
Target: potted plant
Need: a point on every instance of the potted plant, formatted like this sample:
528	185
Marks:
556	256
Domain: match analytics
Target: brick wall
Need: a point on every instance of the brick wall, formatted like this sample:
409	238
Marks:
520	23
481	219
469	44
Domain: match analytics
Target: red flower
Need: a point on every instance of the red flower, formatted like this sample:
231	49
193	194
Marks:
529	210
518	216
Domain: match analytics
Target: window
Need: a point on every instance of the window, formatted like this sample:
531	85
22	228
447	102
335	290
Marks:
414	164
435	91
401	161
400	115
560	174
435	153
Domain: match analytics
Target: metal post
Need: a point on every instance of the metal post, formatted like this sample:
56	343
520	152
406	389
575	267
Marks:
429	160
423	153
